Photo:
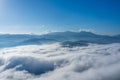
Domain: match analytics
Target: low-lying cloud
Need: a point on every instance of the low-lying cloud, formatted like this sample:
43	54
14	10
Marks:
53	62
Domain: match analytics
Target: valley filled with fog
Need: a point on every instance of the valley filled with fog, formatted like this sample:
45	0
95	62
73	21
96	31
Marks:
59	39
60	56
55	62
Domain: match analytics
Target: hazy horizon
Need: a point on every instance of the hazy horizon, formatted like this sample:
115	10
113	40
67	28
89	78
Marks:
58	31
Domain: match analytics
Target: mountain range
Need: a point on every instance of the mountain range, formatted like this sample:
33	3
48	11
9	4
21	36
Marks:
67	39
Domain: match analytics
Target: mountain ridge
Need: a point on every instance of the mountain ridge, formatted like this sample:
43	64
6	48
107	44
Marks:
77	38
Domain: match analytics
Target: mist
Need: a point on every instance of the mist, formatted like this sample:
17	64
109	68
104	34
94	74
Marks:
54	62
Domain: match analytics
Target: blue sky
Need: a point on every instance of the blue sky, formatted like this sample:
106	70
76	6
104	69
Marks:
41	16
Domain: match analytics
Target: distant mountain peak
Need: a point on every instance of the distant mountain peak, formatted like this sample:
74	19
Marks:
87	32
72	32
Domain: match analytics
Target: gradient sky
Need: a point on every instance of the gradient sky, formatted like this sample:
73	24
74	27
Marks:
41	16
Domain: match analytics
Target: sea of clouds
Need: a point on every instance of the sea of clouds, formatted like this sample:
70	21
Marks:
53	62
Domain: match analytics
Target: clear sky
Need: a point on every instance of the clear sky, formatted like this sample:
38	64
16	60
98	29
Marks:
40	16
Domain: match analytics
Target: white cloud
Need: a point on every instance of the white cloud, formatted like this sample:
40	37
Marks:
53	62
87	30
